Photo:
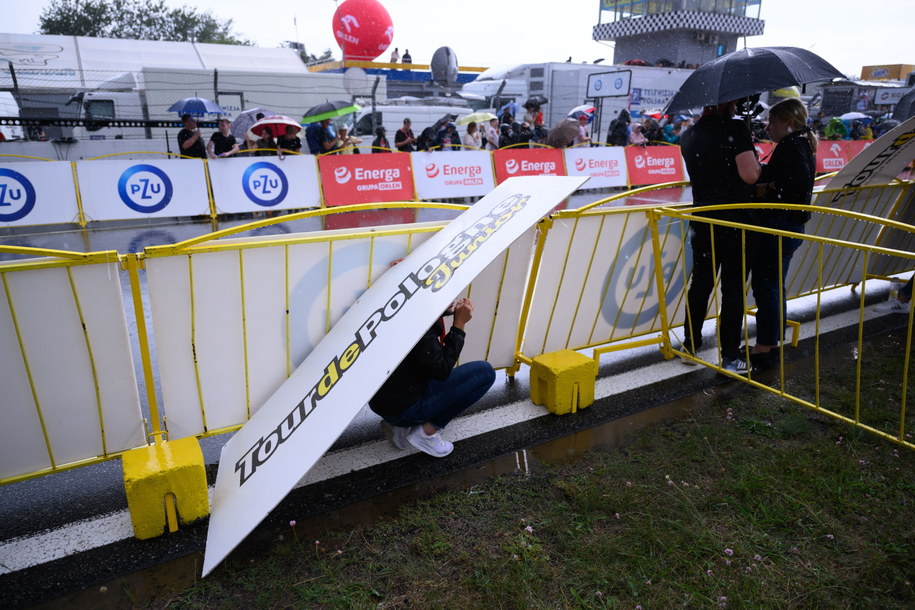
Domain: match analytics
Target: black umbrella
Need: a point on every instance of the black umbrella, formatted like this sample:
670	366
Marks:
747	72
448	118
536	100
905	107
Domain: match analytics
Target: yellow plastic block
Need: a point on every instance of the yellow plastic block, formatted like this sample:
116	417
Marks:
563	381
152	472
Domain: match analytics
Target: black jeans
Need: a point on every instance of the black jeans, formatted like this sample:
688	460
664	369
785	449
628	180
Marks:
728	262
768	273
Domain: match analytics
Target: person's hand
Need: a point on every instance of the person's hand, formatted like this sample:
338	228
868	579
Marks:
463	312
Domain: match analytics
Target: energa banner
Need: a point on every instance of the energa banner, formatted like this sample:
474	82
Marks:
348	179
291	431
37	193
451	173
256	184
605	166
654	164
514	162
116	190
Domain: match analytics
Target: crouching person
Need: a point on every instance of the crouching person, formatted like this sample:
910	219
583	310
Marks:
427	391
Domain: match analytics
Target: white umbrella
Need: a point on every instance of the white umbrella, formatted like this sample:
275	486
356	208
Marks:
853	116
243	122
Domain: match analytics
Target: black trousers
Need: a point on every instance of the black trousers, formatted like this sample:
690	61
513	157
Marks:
728	262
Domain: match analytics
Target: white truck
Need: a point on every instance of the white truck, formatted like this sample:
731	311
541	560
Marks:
148	94
565	85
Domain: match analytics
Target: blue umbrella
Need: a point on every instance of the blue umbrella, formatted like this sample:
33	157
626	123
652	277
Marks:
196	106
515	108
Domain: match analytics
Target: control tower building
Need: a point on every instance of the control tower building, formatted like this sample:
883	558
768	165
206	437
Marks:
684	32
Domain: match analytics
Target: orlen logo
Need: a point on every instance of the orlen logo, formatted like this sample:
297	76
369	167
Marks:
432	170
581	164
836	150
342	175
511	166
640	162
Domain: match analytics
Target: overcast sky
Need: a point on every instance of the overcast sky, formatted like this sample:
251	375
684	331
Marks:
847	34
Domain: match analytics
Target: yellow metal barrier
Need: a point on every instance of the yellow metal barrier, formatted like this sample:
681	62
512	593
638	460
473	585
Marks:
581	260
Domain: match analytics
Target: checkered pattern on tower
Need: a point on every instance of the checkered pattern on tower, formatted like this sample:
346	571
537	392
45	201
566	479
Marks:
679	20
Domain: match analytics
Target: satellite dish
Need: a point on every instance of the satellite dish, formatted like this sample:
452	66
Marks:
444	67
356	82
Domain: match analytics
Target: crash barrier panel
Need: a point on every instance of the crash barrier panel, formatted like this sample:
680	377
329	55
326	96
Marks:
234	316
446	174
38	193
833	155
883	414
70	395
893	202
120	189
257	184
103	189
353	179
605	166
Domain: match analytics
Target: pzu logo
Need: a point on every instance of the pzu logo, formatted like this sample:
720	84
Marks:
145	188
265	184
17	195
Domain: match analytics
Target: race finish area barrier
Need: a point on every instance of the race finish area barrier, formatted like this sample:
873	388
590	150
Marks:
69	391
118	190
234	317
299	422
38	193
256	184
888	416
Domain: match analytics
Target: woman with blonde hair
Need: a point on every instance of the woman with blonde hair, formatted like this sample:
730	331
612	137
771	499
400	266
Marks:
786	178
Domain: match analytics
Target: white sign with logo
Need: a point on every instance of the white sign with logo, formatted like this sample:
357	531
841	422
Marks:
247	184
444	174
889	96
609	84
291	431
114	190
605	165
37	193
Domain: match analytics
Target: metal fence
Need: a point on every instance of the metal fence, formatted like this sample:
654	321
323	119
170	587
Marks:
233	316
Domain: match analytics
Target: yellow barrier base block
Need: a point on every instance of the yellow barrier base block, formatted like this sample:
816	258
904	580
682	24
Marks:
161	477
563	381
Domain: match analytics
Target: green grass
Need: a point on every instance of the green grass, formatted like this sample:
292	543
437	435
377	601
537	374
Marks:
750	502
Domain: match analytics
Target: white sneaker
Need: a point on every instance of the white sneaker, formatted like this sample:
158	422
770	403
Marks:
892	306
396	435
434	445
687	360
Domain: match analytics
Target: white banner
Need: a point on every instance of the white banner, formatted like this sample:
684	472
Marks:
604	165
37	193
300	421
452	173
247	184
115	190
879	163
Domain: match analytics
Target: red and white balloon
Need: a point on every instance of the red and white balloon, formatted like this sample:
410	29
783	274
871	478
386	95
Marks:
363	29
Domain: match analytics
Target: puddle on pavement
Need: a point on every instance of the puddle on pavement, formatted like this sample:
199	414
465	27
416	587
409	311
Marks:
160	583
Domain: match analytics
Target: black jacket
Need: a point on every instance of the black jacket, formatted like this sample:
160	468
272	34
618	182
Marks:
428	359
790	172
